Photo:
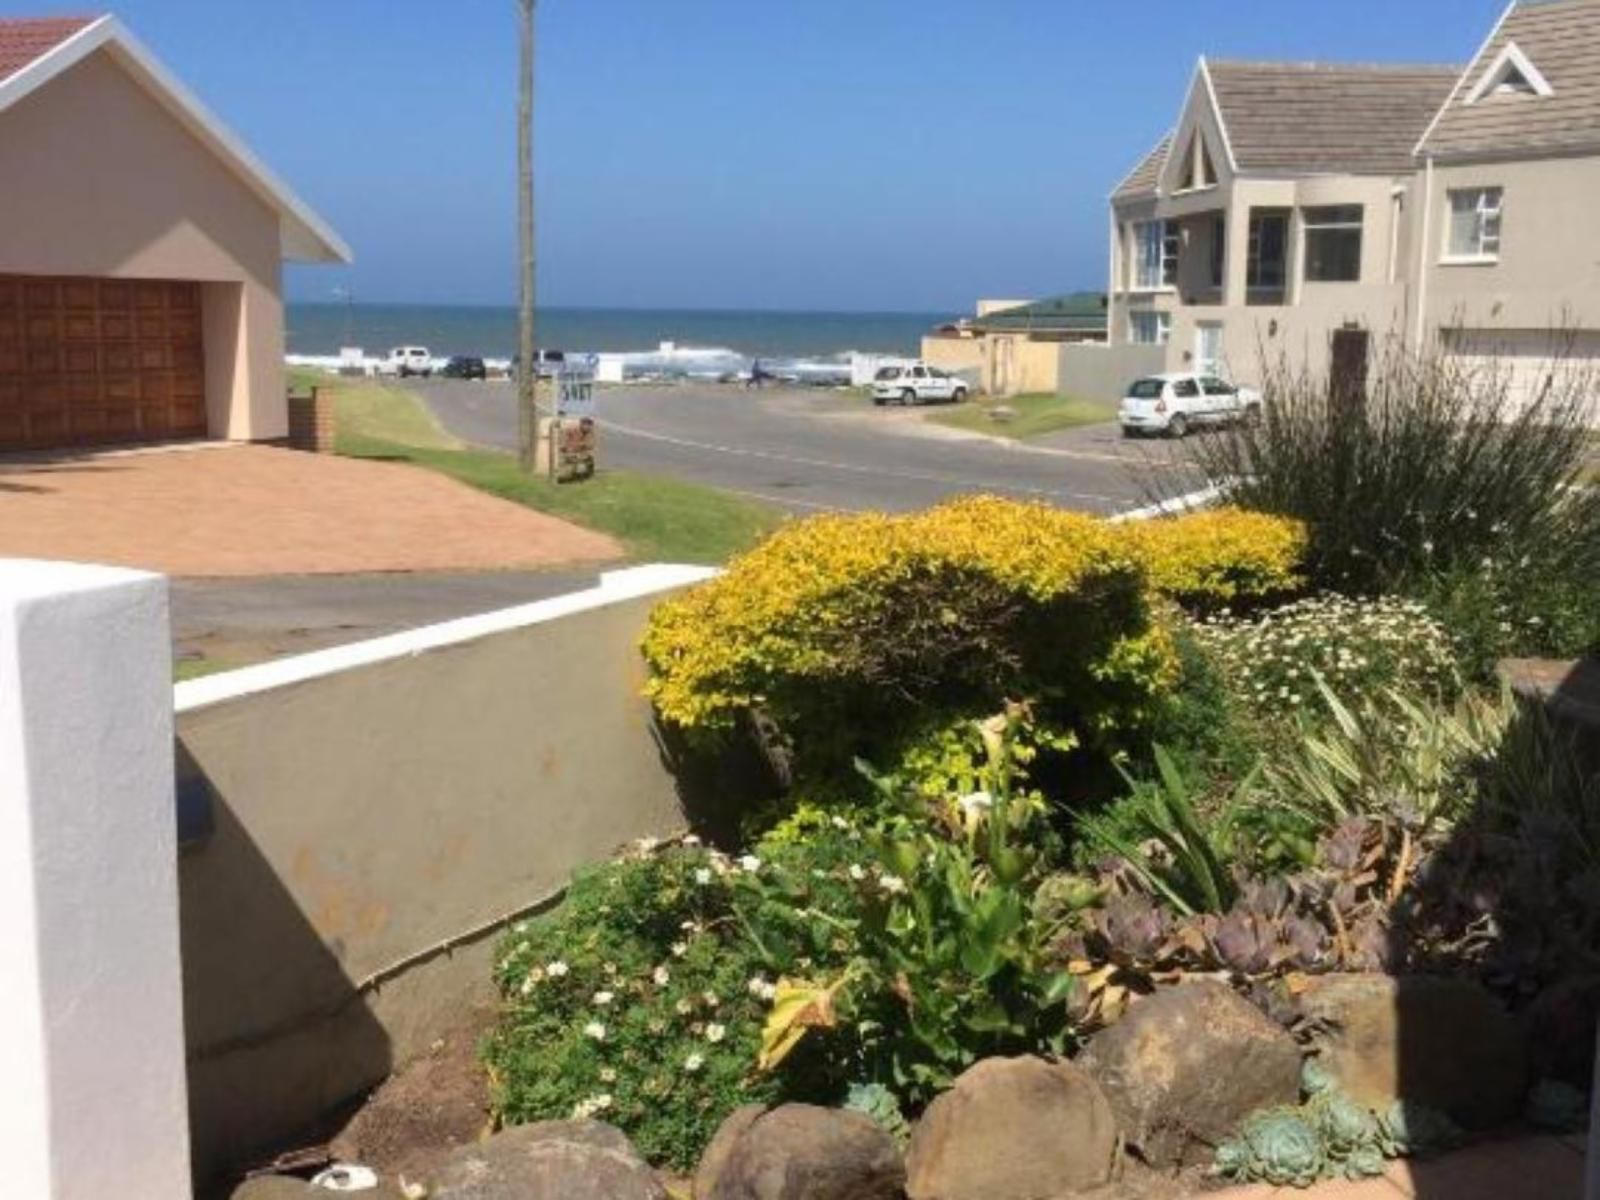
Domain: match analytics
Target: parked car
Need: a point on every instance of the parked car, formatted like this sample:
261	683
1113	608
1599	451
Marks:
547	363
465	367
1177	402
406	361
917	383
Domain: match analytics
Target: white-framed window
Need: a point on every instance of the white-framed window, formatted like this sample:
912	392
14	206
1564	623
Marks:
1150	328
1155	251
1473	233
1333	244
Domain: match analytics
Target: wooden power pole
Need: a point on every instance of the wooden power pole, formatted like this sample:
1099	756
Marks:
528	368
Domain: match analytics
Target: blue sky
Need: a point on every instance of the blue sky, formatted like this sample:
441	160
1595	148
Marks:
848	154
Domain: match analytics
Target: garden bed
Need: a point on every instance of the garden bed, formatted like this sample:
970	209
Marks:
1100	853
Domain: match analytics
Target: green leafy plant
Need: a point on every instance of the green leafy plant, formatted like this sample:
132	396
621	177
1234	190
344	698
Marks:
634	1003
1160	835
949	965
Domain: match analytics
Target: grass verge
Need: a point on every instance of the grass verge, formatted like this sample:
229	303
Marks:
657	519
1036	414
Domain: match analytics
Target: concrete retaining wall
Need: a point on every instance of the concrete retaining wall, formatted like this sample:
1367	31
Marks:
363	821
1099	372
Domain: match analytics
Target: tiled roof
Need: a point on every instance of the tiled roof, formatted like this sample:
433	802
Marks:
1561	38
26	39
1143	180
1077	311
1325	119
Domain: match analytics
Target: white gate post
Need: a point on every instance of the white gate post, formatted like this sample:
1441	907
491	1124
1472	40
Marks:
91	998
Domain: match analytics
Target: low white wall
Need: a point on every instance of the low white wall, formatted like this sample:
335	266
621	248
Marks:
379	812
91	1018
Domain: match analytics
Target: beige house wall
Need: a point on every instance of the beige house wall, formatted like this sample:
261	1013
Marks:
962	356
1548	275
1297	331
376	827
999	364
98	179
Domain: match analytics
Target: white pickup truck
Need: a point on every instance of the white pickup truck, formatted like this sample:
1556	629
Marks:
405	361
917	383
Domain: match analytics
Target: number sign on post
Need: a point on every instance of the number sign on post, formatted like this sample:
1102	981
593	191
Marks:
572	433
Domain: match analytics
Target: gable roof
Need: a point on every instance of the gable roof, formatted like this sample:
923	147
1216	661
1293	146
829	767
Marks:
33	52
22	41
1327	118
1561	39
1144	177
1075	312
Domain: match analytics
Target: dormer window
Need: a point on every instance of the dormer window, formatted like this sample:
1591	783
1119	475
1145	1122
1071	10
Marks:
1512	73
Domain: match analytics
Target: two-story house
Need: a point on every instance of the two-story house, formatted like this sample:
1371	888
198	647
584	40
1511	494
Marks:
1300	204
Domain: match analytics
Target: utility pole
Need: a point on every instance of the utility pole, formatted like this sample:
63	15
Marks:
528	370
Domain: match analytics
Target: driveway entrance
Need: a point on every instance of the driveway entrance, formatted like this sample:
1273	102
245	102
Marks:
213	511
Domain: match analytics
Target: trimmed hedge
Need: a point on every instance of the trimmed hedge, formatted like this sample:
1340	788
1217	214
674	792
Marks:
847	631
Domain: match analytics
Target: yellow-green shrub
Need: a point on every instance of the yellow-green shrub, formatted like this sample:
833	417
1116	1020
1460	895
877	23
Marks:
849	632
1221	555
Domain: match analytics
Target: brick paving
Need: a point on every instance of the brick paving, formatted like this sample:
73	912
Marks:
210	511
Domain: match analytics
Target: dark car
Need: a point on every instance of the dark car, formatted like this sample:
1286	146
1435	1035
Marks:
463	367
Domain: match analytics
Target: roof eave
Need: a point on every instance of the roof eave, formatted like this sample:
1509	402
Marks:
304	237
1461	80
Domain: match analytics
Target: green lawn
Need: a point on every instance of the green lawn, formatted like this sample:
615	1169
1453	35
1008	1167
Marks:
657	519
1035	414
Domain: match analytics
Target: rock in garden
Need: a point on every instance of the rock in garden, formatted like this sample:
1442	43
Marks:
273	1187
1013	1129
1187	1065
800	1152
1559	1031
715	1158
1442	1042
288	1187
550	1160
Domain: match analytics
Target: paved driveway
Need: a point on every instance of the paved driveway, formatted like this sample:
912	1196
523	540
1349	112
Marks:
808	450
256	510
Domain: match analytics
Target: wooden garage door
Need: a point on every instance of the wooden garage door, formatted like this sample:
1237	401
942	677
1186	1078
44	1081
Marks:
96	361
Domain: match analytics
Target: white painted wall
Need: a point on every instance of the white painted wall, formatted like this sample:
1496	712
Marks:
91	1023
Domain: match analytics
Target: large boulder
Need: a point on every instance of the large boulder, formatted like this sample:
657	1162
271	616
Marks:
715	1159
1438	1041
1013	1129
1184	1067
801	1152
550	1160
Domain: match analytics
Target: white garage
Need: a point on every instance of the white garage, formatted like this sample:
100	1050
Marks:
1530	363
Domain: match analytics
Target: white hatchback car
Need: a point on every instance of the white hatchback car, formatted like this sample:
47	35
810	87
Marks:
917	383
1175	403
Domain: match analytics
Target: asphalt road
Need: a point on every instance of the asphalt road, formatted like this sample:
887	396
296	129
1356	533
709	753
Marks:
810	450
236	621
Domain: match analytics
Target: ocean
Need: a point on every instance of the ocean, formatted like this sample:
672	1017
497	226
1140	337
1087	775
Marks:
492	332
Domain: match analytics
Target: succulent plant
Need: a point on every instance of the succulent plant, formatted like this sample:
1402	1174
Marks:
1277	1146
1412	1129
878	1102
1557	1107
1352	1135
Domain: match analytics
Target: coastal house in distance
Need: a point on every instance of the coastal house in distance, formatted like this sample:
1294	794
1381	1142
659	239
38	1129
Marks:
1015	346
1302	210
141	250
